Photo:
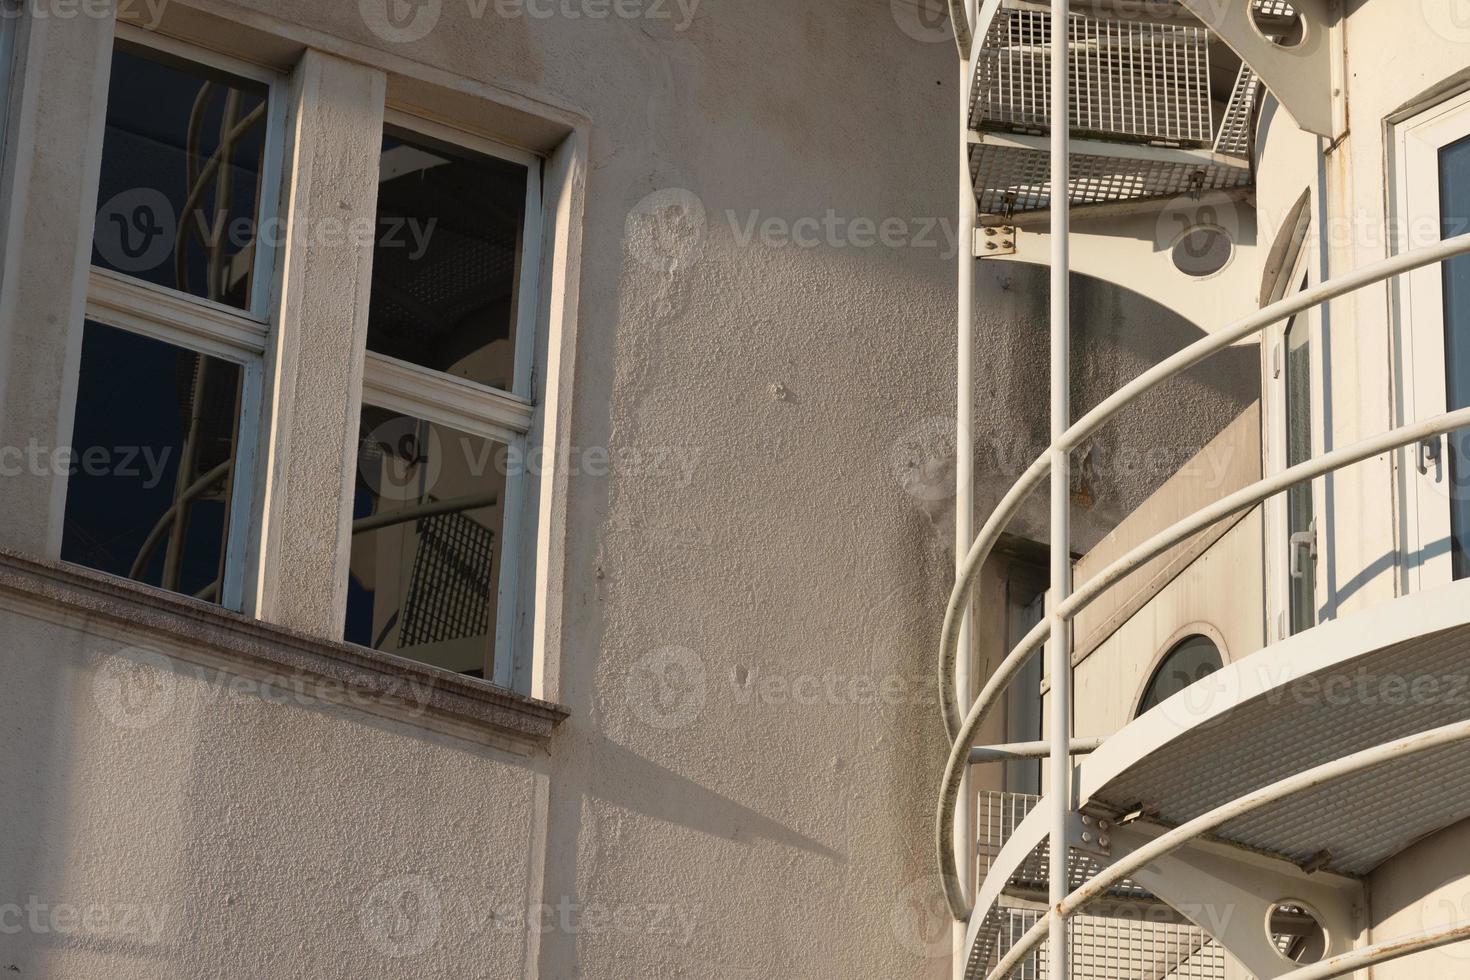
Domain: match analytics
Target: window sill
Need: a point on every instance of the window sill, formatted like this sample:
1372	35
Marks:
330	672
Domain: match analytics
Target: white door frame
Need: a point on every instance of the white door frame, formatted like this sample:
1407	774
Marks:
1423	482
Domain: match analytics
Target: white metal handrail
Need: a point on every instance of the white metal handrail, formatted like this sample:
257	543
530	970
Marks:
954	684
1241	500
963	731
1345	963
1088	425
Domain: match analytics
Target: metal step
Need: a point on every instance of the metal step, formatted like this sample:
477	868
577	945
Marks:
1142	111
1392	671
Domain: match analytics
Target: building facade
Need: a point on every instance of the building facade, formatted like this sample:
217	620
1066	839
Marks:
482	482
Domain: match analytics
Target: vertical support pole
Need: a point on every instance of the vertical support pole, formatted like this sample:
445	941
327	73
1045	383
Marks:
1059	649
964	530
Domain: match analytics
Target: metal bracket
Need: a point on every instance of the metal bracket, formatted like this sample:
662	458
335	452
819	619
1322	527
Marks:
994	241
1305	77
1090	834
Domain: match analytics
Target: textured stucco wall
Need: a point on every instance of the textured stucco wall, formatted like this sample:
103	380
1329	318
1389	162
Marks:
753	591
1425	887
1117	335
170	819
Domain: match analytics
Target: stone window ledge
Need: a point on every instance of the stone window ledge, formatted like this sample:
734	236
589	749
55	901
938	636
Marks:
377	682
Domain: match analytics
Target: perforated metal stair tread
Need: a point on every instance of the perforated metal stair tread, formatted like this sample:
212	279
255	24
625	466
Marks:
1390	672
1141	111
1362	820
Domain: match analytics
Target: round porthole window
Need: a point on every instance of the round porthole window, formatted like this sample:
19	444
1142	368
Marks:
1296	932
1203	251
1278	22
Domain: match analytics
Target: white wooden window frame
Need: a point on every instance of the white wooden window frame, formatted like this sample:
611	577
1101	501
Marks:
201	325
1419	326
507	417
1276	524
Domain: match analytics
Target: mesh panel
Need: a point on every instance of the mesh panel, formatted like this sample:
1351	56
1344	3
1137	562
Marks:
1275	8
1108	949
1105	948
997	817
1136	80
1235	129
449	594
1013	179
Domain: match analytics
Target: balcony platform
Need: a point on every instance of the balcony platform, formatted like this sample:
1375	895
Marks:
1395	670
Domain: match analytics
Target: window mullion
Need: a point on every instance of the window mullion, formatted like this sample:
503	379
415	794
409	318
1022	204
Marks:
313	375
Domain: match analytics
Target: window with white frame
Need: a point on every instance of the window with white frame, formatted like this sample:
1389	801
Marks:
169	440
168	394
442	476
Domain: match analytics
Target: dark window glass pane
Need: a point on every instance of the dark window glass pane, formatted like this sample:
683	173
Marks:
153	451
426	541
1192	660
446	265
1299	504
1454	196
180	191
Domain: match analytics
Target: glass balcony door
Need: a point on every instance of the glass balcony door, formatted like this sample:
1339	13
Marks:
1432	184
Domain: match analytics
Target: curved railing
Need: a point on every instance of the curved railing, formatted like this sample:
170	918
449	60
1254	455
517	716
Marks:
963	730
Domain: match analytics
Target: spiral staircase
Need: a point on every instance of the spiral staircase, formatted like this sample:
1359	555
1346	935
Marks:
1228	831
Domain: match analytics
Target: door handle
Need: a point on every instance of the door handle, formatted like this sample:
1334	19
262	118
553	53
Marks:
1429	454
1303	542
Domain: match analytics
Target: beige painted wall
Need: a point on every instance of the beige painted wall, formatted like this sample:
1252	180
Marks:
774	818
1211	583
1425	887
776	821
1220	591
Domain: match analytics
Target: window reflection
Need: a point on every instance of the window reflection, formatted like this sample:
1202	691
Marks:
446	264
427	518
152	462
1192	659
179	194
